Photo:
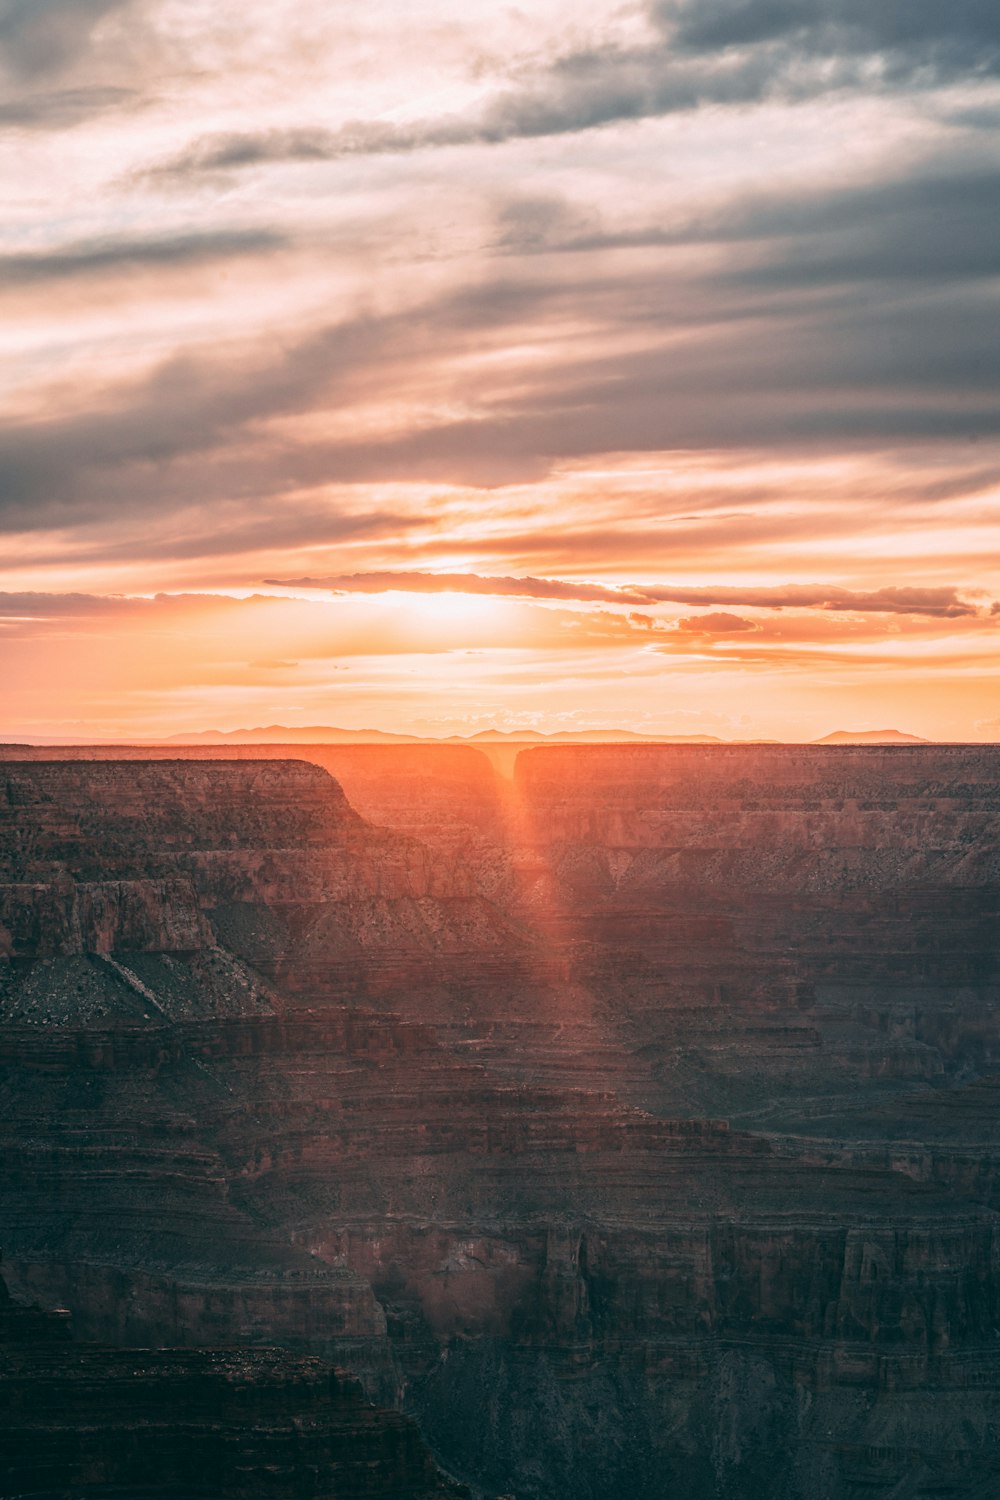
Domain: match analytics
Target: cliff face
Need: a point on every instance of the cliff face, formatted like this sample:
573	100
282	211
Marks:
691	1184
88	1421
736	930
168	839
774	924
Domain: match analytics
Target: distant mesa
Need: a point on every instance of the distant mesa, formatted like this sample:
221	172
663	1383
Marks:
871	737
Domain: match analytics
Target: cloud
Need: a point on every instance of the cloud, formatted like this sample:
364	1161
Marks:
135	441
940	220
41	606
943	603
110	256
37	605
964	34
45	36
718	623
579	94
723	53
666	358
940	223
230	151
60	108
937	602
462	583
830	318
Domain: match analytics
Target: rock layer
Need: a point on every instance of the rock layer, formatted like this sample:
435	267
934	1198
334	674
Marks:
634	1126
88	1422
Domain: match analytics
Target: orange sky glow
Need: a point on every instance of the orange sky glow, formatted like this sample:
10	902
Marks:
435	367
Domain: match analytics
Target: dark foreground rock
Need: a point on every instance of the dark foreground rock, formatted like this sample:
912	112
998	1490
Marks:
85	1422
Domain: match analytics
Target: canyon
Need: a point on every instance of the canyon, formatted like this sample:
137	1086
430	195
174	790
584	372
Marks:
621	1126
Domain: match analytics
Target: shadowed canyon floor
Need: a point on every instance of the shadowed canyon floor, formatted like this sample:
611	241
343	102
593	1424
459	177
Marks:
631	1123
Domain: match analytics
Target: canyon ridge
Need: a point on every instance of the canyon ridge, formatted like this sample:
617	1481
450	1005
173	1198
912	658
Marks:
378	1123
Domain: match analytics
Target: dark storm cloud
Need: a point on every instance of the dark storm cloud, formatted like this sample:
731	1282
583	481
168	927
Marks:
938	602
723	52
106	257
45	36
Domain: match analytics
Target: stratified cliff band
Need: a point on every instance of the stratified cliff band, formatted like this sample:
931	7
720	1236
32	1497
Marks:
630	1125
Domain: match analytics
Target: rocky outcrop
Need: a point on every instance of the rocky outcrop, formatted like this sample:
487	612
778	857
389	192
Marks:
773	925
441	794
634	1129
740	930
89	1422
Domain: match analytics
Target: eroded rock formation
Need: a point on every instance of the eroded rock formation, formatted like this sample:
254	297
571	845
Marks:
82	1420
632	1124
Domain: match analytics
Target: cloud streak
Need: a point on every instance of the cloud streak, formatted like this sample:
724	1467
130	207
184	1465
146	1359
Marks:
726	53
936	602
766	363
108	257
58	109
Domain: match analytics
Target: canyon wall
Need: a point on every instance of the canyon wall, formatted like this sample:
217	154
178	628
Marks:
630	1124
166	1424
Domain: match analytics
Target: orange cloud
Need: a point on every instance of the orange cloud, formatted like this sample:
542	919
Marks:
891	600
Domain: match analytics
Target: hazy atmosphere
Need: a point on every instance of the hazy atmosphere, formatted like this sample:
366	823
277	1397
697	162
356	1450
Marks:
670	329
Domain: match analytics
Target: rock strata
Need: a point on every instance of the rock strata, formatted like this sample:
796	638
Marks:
633	1127
89	1422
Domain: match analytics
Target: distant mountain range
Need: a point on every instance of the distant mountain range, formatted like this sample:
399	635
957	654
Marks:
280	734
871	737
329	734
324	734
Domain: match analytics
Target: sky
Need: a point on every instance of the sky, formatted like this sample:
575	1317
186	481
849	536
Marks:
436	366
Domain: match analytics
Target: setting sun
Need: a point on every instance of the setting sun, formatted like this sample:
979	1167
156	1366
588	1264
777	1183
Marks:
455	613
